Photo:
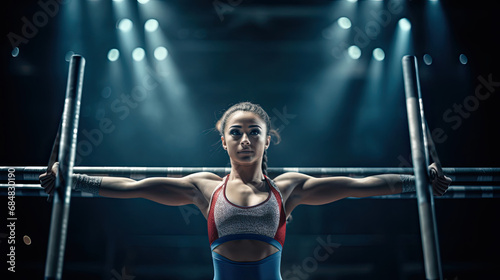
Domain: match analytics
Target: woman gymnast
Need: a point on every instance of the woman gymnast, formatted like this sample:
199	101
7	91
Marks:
246	211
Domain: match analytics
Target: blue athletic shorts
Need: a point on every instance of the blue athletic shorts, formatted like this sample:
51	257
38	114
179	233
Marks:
265	269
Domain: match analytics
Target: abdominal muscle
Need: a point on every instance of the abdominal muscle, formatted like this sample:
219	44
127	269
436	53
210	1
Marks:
245	250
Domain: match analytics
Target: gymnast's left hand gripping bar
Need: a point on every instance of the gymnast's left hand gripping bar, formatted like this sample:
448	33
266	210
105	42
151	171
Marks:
66	158
420	156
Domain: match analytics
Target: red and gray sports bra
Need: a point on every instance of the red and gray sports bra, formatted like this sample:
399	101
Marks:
265	221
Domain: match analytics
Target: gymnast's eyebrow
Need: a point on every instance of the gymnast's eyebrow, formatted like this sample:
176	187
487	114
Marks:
253	125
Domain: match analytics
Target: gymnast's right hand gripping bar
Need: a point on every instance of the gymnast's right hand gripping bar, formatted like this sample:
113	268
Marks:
66	157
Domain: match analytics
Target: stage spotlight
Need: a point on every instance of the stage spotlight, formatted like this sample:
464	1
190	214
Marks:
151	25
160	53
113	55
353	1
125	24
138	54
463	59
404	24
354	52
378	54
427	59
143	1
344	23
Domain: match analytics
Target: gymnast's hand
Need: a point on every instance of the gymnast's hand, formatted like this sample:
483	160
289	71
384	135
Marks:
439	181
48	179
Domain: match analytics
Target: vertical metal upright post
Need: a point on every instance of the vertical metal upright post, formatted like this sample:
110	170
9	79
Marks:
67	149
420	157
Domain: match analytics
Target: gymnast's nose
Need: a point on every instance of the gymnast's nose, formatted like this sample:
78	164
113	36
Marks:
245	141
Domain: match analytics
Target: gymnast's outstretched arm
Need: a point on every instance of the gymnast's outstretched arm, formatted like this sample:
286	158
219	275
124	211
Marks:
164	190
305	189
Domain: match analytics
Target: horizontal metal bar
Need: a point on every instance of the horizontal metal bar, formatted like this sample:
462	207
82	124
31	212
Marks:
453	192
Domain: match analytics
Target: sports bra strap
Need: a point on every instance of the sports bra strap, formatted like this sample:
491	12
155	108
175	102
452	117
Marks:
243	236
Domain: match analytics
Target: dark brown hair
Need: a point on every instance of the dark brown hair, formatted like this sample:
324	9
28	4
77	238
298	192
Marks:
256	109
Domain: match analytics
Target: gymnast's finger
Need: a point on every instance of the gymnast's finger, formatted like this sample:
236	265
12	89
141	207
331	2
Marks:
442	182
49	189
445	182
448	179
47	180
47	183
46	176
439	191
441	188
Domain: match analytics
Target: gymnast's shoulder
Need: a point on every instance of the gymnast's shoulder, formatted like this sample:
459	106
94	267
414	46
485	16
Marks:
203	176
290	180
291	177
203	180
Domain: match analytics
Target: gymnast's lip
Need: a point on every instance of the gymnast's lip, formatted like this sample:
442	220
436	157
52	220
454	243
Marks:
246	152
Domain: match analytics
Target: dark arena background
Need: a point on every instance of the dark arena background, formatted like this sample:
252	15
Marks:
158	76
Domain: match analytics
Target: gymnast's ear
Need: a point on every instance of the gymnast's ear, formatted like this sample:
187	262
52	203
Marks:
268	141
223	142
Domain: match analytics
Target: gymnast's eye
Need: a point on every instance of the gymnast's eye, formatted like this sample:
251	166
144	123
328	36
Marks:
234	132
255	132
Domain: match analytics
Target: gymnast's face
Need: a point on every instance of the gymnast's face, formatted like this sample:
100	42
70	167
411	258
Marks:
245	137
